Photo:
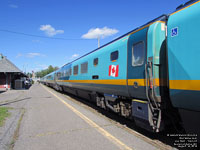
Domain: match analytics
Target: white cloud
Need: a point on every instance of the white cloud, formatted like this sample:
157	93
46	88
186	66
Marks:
19	55
99	32
31	55
74	56
50	31
13	6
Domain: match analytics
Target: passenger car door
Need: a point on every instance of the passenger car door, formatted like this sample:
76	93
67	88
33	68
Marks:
136	64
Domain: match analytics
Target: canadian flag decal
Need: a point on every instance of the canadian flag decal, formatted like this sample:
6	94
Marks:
113	70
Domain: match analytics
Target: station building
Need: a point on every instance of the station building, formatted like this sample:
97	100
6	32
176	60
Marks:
8	73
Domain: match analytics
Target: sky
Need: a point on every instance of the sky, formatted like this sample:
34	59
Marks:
37	33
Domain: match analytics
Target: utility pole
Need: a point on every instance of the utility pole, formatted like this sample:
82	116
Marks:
98	41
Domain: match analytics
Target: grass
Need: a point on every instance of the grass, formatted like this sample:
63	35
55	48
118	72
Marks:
3	115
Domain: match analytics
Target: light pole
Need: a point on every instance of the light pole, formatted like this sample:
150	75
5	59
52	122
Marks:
98	41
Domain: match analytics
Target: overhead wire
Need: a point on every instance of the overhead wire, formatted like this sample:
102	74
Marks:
32	35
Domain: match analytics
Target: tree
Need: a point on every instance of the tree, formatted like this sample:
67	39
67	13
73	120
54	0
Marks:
44	72
29	75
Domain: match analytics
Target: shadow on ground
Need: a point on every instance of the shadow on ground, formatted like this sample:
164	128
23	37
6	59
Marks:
14	101
2	92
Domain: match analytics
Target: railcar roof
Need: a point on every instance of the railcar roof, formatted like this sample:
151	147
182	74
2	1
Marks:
185	5
182	6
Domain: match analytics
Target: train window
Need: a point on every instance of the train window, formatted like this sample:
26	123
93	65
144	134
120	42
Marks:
114	56
67	72
70	71
84	67
62	74
75	72
95	62
138	54
58	75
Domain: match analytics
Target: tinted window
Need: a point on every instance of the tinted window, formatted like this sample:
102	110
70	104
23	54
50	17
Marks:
114	56
75	70
70	71
65	73
138	54
62	74
84	67
95	61
59	75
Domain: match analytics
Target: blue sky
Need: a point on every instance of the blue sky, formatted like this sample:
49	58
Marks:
80	20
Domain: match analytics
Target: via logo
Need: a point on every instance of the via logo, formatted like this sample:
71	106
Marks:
174	32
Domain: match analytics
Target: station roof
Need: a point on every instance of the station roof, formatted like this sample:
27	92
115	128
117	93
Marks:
7	66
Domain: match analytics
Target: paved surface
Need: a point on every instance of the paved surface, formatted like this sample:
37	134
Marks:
16	101
54	121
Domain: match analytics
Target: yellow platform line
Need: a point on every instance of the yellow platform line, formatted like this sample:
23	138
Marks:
105	133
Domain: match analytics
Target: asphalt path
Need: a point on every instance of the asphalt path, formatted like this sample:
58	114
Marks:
54	121
15	100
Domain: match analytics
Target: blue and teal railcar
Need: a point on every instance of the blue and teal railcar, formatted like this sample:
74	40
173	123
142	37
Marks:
183	44
149	74
49	79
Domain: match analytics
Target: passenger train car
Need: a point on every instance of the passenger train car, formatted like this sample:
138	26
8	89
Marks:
149	75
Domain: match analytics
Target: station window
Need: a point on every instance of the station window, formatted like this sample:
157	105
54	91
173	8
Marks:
138	54
75	72
95	62
114	56
84	67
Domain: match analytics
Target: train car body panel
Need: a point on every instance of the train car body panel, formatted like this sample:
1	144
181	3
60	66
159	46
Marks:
156	49
50	79
183	57
145	105
137	50
105	77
